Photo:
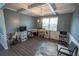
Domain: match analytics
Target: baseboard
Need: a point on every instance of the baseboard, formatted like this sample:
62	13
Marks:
73	40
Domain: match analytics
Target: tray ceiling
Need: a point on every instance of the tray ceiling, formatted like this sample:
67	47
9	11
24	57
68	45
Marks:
41	9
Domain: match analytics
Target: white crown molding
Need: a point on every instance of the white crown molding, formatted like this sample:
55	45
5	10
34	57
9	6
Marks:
10	9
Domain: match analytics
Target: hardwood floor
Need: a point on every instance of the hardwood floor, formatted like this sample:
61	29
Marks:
27	48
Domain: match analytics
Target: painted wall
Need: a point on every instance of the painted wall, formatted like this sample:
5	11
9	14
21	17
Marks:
14	20
75	25
64	21
2	5
11	20
27	21
3	39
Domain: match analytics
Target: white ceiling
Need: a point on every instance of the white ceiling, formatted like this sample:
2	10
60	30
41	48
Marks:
65	8
17	6
44	9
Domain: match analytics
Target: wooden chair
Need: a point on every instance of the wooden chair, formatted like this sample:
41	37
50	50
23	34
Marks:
41	32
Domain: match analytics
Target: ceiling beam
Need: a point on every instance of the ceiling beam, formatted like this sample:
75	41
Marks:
35	5
22	10
30	11
52	7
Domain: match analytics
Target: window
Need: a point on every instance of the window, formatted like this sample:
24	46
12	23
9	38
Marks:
50	23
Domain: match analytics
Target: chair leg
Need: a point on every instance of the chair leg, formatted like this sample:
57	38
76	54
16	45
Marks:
58	53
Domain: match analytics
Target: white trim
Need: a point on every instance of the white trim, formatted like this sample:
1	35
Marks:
39	6
51	8
73	40
3	36
4	30
10	9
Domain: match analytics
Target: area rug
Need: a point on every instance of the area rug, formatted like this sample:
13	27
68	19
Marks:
47	49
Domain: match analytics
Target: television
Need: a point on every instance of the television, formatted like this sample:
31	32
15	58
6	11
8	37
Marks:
22	28
63	32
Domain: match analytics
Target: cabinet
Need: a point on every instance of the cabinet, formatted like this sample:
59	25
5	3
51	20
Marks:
53	35
23	35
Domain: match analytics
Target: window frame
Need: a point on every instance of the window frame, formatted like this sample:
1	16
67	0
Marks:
49	18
